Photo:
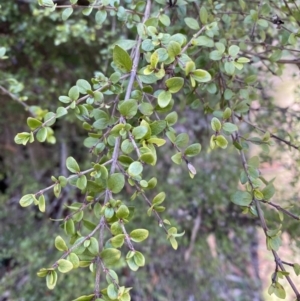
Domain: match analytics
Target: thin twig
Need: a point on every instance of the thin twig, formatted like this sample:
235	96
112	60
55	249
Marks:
279	208
14	97
70	250
255	22
272	135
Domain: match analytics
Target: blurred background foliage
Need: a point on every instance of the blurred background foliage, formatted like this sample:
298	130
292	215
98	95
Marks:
217	258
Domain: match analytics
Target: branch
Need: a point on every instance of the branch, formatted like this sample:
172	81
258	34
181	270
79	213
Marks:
77	245
12	96
195	230
255	23
282	61
261	216
117	149
160	221
70	177
272	135
98	259
127	237
290	11
107	7
279	208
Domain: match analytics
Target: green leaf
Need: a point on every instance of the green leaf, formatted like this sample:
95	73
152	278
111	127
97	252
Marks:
203	15
164	98
165	20
193	150
139	259
27	200
122	212
296	268
229	127
87	298
100	16
109	212
61	111
116	182
263	23
63	181
57	189
128	108
177	158
69	227
72	165
279	291
258	194
192	23
139	235
154	59
66	13
171	118
203	41
274	242
229	67
215	55
241	198
216	124
158	199
221	141
110	256
50	118
94	246
2	51
42	203
182	140
146	108
111	277
22	138
201	76
74	93
173	242
148	158
243	60
122	59
51	280
157	127
131	263
41	135
64	266
173	49
87	11
81	182
140	132
233	50
116	229
174	84
83	86
102	119
42	273
60	244
276	55
117	241
135	169
268	191
33	123
157	141
112	292
65	99
227	113
221	47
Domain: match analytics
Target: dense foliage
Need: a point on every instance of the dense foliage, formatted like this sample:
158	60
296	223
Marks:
143	87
